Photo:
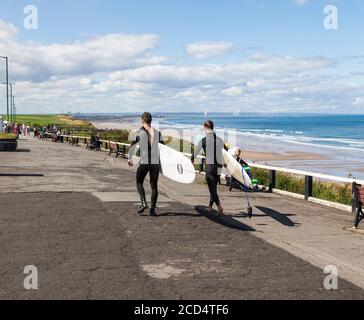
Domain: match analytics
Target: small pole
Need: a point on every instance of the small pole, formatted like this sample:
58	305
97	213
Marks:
308	187
272	180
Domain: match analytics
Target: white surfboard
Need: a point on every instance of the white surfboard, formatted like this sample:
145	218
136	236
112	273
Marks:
176	166
235	169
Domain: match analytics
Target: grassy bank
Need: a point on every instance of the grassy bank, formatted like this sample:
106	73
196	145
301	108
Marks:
62	121
335	192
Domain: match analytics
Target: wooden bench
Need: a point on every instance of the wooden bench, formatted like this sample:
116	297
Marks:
94	145
359	201
41	136
73	141
119	150
88	143
54	137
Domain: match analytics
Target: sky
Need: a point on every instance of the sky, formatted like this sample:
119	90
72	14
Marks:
184	55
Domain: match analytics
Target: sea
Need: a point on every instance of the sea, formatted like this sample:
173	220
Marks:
340	138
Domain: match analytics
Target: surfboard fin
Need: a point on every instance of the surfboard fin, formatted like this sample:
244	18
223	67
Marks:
250	212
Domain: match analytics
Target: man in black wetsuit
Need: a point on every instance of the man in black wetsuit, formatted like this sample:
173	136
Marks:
212	145
148	139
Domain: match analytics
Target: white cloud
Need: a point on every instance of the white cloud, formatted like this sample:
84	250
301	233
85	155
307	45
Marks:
233	91
38	62
209	49
213	74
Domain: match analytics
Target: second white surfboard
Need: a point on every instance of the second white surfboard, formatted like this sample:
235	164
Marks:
235	169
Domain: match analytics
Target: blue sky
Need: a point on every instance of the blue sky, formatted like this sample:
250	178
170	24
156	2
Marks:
166	55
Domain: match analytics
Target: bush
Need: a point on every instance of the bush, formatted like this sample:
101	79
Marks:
121	136
261	175
334	192
289	183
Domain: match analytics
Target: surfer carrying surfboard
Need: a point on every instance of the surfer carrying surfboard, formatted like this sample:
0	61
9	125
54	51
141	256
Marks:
148	139
212	145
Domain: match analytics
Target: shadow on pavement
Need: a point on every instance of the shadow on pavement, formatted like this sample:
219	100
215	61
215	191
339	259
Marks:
224	220
278	216
179	214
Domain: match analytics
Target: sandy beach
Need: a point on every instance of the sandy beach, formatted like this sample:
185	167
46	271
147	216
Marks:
251	155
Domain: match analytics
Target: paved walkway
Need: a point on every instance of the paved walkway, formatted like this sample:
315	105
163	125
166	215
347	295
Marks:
78	225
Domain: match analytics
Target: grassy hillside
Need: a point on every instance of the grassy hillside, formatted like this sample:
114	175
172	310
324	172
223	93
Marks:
58	120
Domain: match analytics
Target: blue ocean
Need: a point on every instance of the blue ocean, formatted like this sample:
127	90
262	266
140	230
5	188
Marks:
340	131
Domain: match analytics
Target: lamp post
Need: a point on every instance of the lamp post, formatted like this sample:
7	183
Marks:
14	110
11	108
7	86
11	102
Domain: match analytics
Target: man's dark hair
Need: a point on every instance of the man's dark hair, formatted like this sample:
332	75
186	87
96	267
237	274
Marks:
147	118
209	125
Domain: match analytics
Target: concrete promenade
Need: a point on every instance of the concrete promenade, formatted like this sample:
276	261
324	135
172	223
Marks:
71	213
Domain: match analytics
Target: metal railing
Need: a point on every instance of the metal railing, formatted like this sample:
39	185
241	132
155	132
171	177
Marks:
272	170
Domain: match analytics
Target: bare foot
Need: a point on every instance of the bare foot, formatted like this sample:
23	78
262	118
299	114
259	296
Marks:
209	209
220	210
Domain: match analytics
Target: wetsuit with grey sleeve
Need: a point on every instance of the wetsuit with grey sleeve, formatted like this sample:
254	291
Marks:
212	146
149	161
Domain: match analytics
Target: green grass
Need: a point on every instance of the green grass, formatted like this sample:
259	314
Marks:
334	192
121	136
63	121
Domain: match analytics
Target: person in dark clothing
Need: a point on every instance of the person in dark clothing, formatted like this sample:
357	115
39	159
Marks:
97	143
212	146
148	139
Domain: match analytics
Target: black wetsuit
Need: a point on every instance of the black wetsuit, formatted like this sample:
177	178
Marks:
149	161
212	145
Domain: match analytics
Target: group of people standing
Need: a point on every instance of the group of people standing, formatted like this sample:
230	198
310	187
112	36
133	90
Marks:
148	139
18	129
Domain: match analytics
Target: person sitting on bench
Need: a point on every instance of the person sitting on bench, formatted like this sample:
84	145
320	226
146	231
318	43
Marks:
237	153
95	143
